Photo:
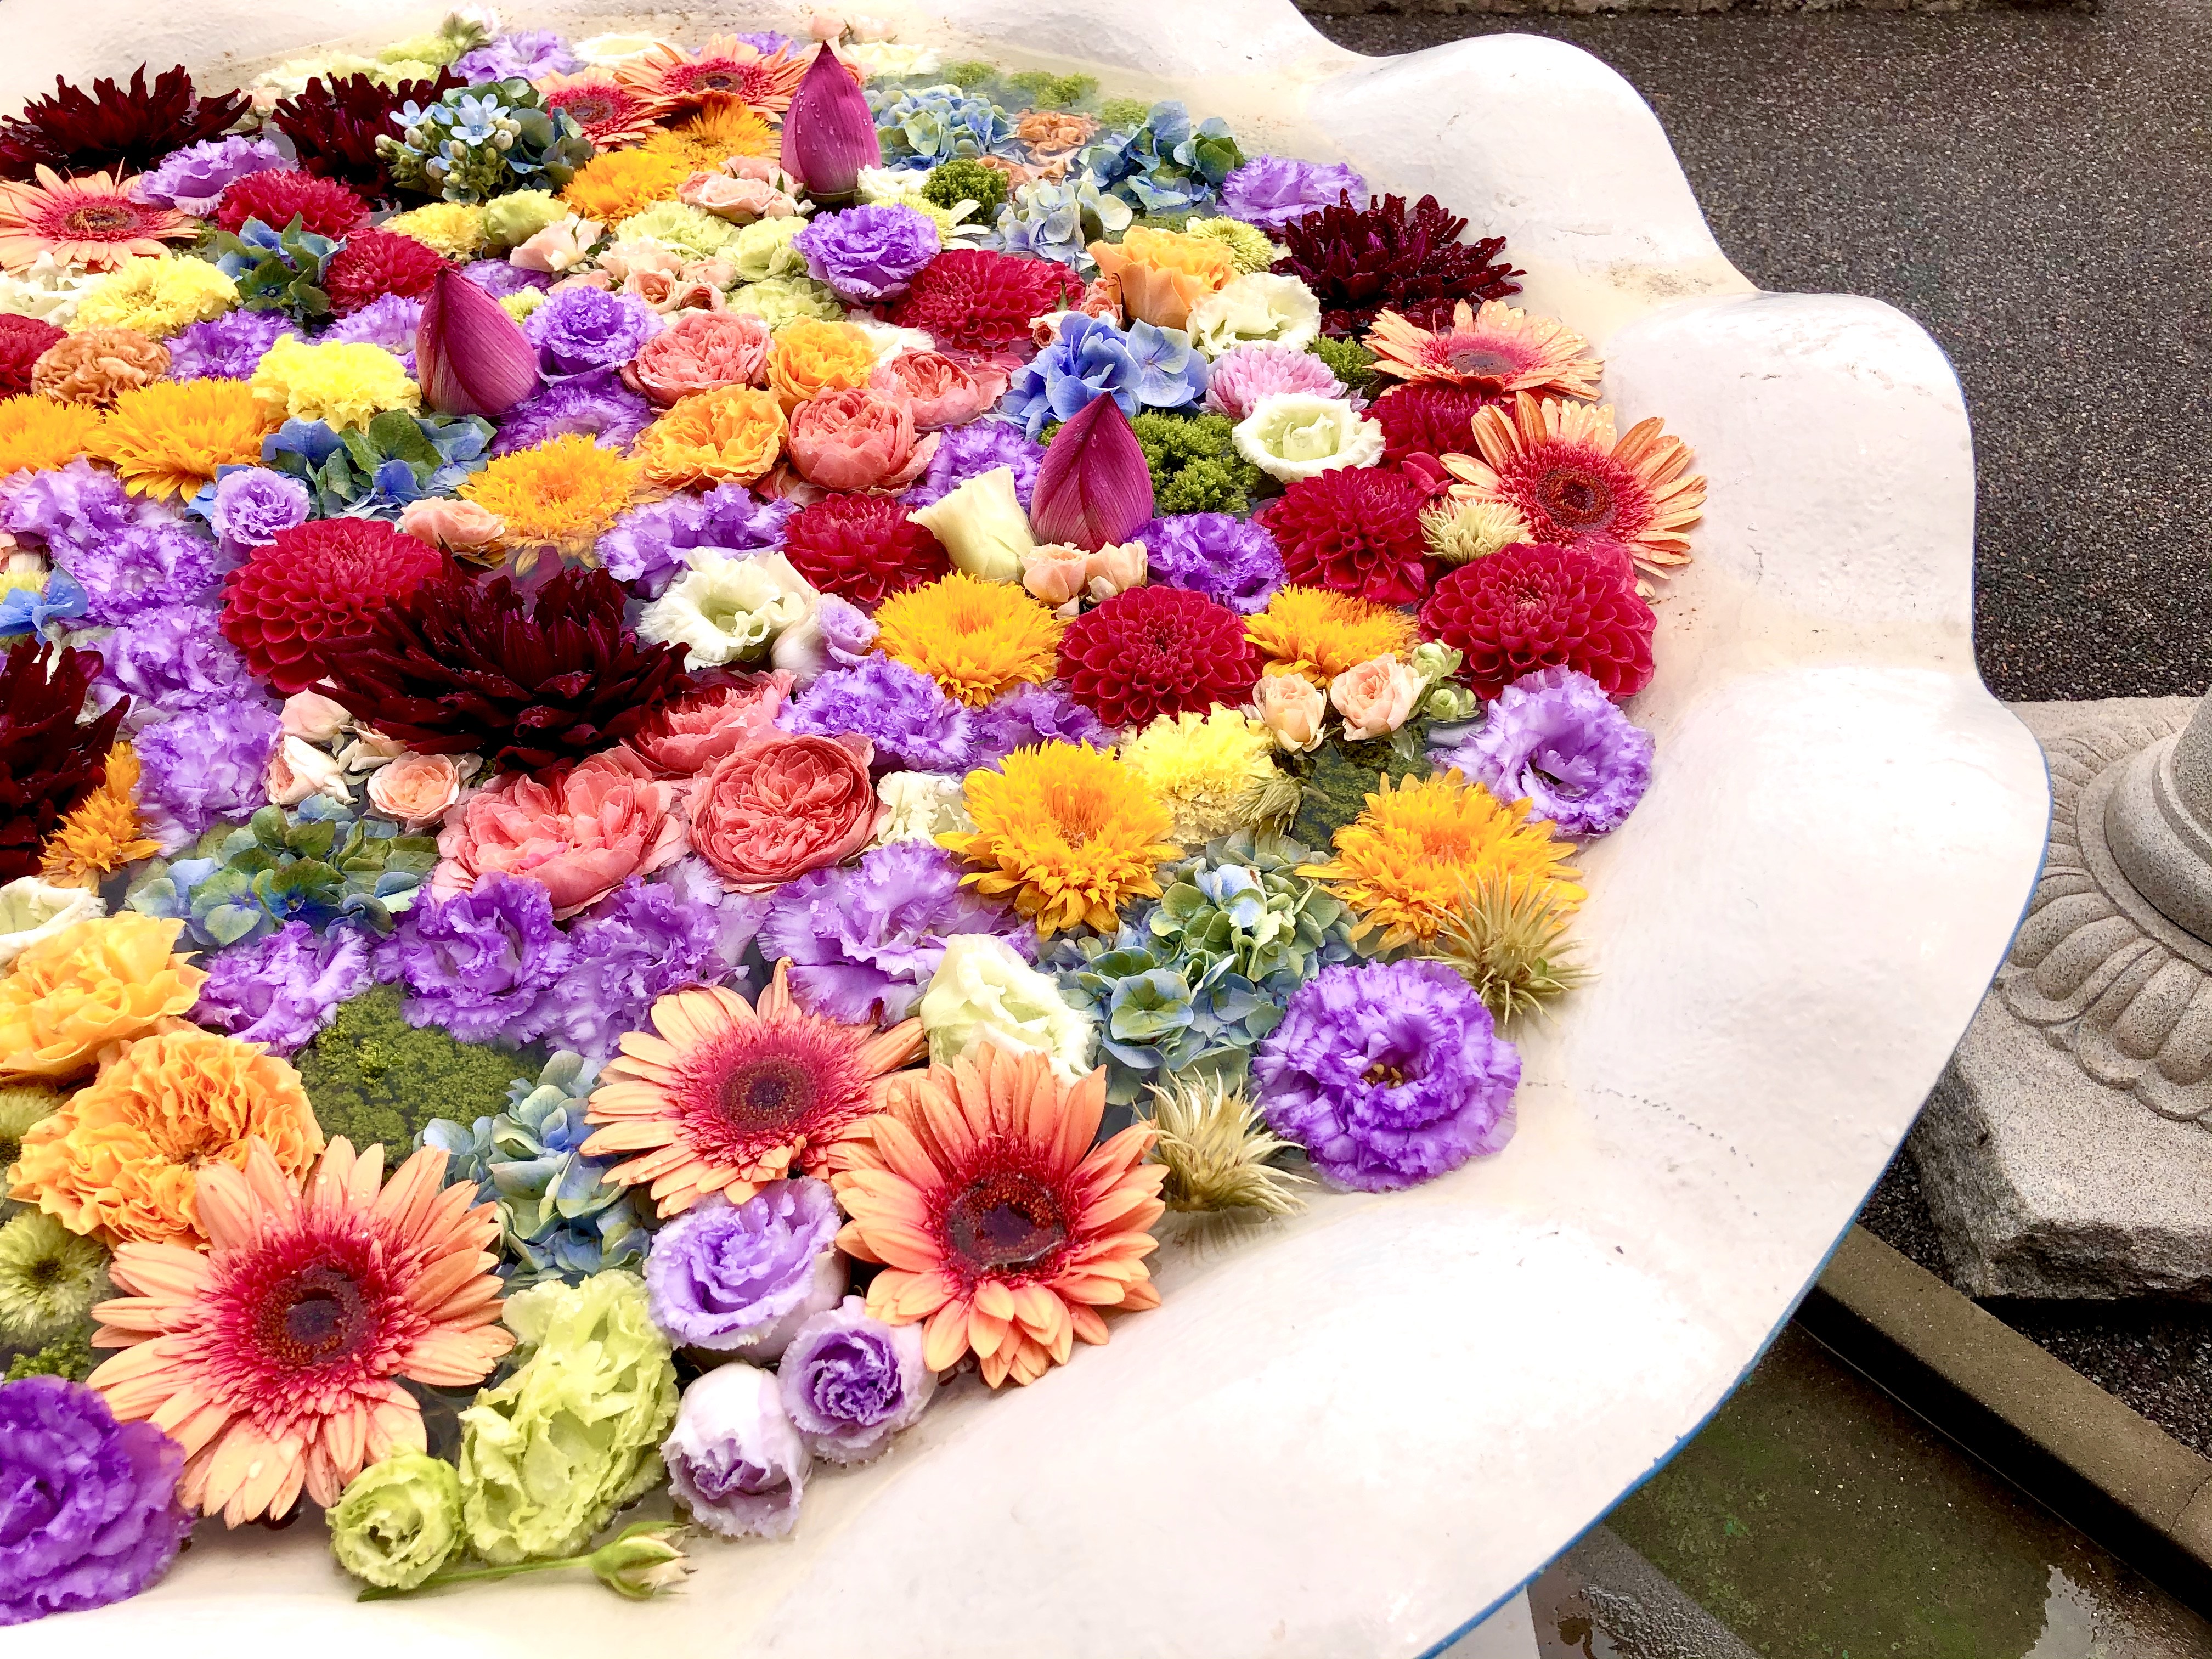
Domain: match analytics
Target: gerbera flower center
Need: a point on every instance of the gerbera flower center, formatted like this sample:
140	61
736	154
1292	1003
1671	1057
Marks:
100	223
1486	360
590	107
739	80
772	1093
1576	500
1005	1222
317	1315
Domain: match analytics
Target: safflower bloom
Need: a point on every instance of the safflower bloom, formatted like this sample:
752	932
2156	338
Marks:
173	436
275	1359
996	1219
156	296
723	1097
729	436
101	833
563	493
88	221
1163	273
1318	634
809	358
119	1158
1069	833
37	435
622	182
107	979
976	639
1405	864
343	382
1495	351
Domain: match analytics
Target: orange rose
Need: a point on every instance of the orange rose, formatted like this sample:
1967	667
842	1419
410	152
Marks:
782	805
1164	272
684	737
858	439
579	833
729	436
416	789
700	351
942	391
809	358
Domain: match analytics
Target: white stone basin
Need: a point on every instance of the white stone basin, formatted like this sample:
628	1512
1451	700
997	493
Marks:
1351	1436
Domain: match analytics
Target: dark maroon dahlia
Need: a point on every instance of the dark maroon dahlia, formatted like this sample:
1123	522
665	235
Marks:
1353	530
862	548
1427	419
1533	605
1359	260
334	124
1152	651
49	761
113	126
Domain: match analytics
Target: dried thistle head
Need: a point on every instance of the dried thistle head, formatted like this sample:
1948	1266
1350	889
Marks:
1508	939
1216	1149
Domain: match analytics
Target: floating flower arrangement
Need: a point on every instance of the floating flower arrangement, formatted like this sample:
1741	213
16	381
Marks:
685	728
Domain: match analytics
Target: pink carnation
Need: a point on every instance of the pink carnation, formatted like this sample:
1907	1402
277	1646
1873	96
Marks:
580	833
942	391
1241	377
700	351
858	439
688	735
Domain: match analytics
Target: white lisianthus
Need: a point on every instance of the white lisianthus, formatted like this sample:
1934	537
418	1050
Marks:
1254	309
984	992
982	526
921	806
1294	435
728	607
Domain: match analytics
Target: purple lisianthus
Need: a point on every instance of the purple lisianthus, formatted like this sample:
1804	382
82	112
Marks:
390	321
204	765
647	544
169	660
766	42
189	179
88	1511
578	330
969	452
864	942
1388	1074
481	962
499	279
597	406
850	1383
227	348
868	254
734	1456
906	715
1270	191
1224	558
1145	367
248	505
847	631
139	568
1032	714
1555	740
1244	375
523	54
283	989
742	1279
72	506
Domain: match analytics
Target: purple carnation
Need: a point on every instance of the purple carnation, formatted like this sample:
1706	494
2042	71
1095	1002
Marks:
227	348
480	964
281	989
647	545
905	712
1555	740
1270	191
1388	1074
499	279
1032	714
189	179
249	505
89	1512
868	254
389	320
138	568
599	406
204	766
525	54
847	631
1244	375
971	451
849	1383
1228	559
766	42
170	659
578	330
743	1278
864	942
72	506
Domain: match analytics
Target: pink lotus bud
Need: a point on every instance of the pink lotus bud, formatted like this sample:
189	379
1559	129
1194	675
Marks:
471	357
1093	488
827	134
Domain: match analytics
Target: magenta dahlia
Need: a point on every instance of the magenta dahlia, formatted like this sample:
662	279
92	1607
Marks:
1430	418
374	263
1353	530
1152	651
862	548
279	195
1362	261
1534	605
22	340
314	585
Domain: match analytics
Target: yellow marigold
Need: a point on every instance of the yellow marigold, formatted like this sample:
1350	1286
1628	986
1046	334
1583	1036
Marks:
121	1159
106	980
37	433
1318	634
155	296
1070	833
565	492
617	183
727	126
1406	863
1164	272
809	358
101	833
455	229
730	435
1216	772
169	438
347	383
974	638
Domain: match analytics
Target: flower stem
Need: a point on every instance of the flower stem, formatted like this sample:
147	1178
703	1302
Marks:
470	1575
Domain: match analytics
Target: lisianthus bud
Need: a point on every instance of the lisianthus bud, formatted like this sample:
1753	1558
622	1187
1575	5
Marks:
1093	486
644	1559
471	357
829	135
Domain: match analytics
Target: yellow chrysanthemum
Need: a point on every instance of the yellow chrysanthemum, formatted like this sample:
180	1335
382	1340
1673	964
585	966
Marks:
974	638
564	492
621	182
1215	771
346	383
39	433
730	435
1318	634
1405	864
1069	833
455	229
110	979
168	438
725	127
155	296
101	833
809	358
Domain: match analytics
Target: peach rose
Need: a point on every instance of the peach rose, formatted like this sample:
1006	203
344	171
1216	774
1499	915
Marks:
943	393
312	715
459	527
578	832
299	769
1054	572
1376	697
781	805
741	201
1164	272
623	260
1052	132
416	789
684	737
858	439
1291	706
698	352
558	247
1114	568
666	294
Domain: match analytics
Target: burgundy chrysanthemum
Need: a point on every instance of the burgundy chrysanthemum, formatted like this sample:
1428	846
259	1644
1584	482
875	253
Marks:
79	132
324	206
334	124
1427	419
980	302
21	341
375	263
530	679
48	761
316	583
1353	530
1152	651
862	548
1532	606
1359	260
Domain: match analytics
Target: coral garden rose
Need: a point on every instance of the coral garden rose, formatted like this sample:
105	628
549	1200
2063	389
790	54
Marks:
453	526
416	789
941	392
1294	707
782	805
858	439
578	833
1163	273
699	352
689	734
1376	697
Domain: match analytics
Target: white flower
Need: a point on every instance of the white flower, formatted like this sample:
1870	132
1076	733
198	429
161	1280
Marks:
1294	435
32	911
559	247
608	50
299	769
734	1456
881	57
921	806
889	340
1254	309
982	526
46	288
984	992
728	607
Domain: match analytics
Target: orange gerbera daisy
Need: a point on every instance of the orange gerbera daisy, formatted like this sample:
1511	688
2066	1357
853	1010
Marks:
86	220
275	1358
1494	351
1558	465
727	1098
994	1218
670	79
611	115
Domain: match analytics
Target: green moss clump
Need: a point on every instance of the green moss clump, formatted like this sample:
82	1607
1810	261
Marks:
1157	222
69	1356
377	1080
1128	113
964	181
967	72
1194	463
1338	777
1045	90
1349	360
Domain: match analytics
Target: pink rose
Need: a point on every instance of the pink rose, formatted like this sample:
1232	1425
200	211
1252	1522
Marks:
781	805
1376	697
626	259
666	294
558	247
312	715
1054	572
1291	706
416	789
684	737
578	832
700	351
453	526
762	168
858	439
942	391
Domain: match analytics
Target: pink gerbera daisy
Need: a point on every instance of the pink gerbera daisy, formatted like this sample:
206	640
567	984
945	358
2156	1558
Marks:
671	80
1495	351
610	114
87	221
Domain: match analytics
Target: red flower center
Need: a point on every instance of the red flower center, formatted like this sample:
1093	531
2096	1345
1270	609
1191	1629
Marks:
1005	1222
739	80
317	1315
101	222
770	1093
1576	499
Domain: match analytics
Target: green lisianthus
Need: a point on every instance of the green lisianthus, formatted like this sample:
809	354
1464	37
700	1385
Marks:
398	1521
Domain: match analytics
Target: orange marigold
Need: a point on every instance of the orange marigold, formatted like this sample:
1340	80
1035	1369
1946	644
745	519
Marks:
171	437
37	434
730	435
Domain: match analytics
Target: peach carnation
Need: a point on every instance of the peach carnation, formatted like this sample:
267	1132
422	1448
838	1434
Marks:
578	833
700	351
108	979
781	805
98	366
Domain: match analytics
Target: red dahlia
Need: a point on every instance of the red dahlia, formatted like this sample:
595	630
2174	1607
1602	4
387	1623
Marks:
277	195
1532	606
1354	529
974	300
48	760
1428	419
79	132
1361	260
335	124
862	548
318	583
1153	650
22	340
375	263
